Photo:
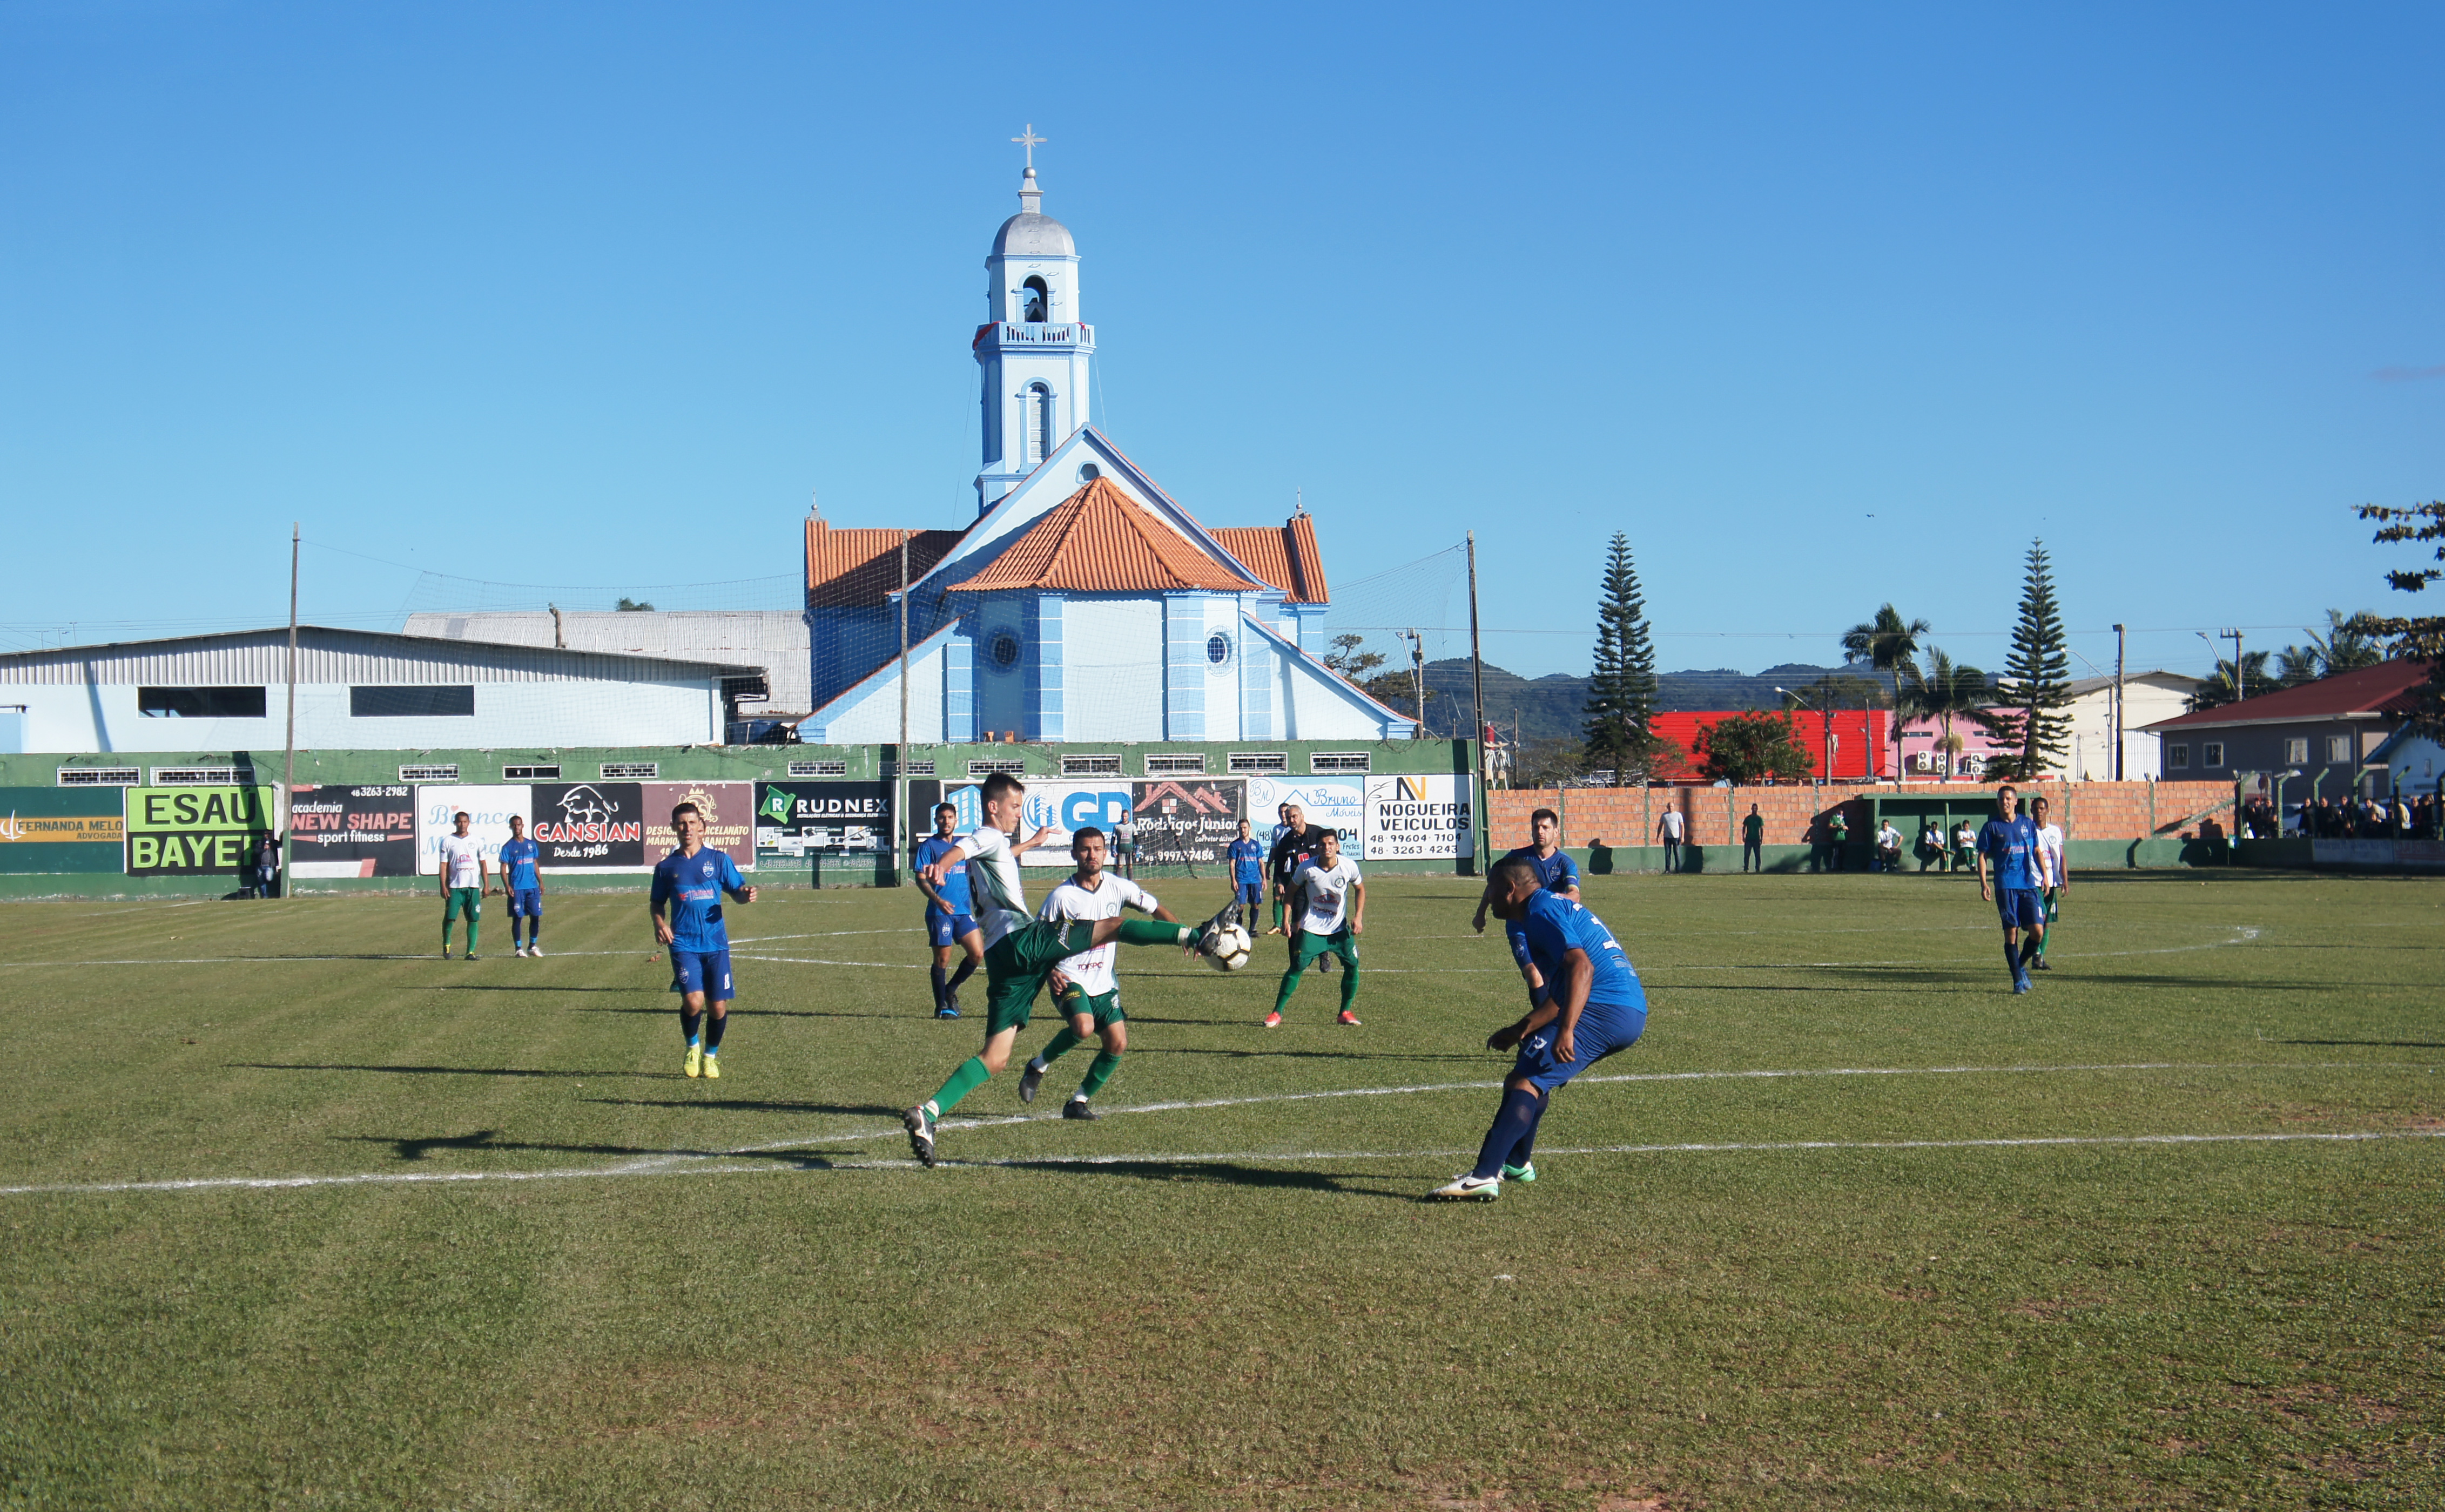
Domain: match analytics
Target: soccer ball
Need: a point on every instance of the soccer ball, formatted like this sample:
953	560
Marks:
1232	948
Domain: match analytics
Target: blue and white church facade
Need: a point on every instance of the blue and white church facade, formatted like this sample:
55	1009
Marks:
1082	603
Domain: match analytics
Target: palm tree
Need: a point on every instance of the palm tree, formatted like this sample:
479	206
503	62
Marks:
2220	687
1890	644
1944	690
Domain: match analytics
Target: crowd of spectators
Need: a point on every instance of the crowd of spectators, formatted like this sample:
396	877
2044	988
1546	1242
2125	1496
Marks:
2354	818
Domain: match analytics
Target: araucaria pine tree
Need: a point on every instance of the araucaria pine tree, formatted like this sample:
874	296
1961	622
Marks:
2036	684
1621	693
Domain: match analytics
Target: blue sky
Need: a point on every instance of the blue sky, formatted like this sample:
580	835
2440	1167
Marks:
1821	306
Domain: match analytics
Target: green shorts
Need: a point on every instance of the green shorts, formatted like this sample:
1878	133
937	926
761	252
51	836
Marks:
1017	965
469	901
1105	1006
1308	946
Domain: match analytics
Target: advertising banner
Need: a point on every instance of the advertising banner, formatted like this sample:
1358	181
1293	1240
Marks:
594	826
729	810
1421	817
63	830
196	831
367	831
1187	821
793	818
1331	803
488	808
1062	806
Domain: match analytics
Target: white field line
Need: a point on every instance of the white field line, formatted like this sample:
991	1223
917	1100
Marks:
712	1161
263	960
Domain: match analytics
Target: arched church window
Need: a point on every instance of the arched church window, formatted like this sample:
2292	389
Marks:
1036	301
1089	471
1040	422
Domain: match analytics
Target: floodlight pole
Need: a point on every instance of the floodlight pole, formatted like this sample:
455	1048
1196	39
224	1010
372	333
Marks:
905	835
1476	714
289	767
2117	703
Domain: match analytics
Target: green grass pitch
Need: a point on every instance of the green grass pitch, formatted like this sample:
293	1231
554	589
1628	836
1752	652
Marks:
2164	1232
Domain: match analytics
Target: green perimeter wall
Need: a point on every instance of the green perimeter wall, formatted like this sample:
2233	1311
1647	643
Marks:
731	763
2082	855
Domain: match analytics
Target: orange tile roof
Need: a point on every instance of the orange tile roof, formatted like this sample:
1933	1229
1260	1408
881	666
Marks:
1286	557
857	568
1099	540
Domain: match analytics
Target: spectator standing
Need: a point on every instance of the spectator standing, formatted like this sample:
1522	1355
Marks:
267	868
1753	841
1124	834
1837	834
1669	827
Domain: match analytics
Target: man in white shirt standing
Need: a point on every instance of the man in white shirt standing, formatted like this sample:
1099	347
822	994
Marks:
2050	840
1669	827
464	882
1083	983
1331	904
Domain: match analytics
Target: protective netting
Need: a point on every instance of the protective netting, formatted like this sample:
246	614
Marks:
1416	611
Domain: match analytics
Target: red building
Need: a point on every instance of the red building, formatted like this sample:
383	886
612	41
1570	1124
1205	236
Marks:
1864	741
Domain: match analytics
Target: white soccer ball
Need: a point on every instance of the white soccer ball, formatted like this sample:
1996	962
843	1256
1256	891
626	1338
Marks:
1232	948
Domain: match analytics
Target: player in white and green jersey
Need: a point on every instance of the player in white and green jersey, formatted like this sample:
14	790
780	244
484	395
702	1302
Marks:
1021	951
1083	983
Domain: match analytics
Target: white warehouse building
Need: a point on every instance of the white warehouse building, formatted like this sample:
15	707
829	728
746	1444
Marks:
356	690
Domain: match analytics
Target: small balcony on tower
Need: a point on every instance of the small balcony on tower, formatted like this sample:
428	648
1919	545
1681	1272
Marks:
1005	335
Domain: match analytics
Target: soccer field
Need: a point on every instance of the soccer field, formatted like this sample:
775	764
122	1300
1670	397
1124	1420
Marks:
300	1216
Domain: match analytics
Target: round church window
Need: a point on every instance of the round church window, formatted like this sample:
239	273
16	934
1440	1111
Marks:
1089	471
1006	651
1218	649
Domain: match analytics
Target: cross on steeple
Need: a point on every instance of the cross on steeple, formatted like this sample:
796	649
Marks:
1030	142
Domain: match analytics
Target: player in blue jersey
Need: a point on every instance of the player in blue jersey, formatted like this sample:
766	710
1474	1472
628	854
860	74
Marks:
522	882
1247	860
691	881
948	912
1556	872
2012	839
1595	1006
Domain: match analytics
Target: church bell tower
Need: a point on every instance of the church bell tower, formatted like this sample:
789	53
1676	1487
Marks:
1033	354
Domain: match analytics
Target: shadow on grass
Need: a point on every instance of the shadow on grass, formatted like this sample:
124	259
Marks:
2381	1044
1215	1172
747	1105
447	1071
1312	1055
415	1149
754	1013
486	986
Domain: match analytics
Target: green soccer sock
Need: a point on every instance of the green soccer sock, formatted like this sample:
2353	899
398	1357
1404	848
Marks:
971	1075
446	934
1106	1063
1277	913
1290	985
1153	932
2043	941
471	936
1349	981
1059	1045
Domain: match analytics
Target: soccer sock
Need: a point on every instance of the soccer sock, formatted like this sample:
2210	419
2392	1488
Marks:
470	932
967	969
1517	1119
1098	1073
1349	981
2011	958
713	1032
2028	950
971	1075
1290	984
1153	932
689	1020
2042	941
942	985
1528	1146
1058	1047
446	934
534	930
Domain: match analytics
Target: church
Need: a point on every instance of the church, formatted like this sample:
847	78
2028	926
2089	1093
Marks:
1083	602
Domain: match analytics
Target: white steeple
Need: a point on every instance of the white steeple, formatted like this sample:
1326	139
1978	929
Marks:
1033	352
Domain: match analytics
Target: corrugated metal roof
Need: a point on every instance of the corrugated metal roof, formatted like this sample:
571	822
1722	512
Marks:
2383	690
775	640
857	569
1099	540
242	658
1287	557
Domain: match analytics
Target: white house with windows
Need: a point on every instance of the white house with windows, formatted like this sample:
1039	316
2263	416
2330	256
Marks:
1082	603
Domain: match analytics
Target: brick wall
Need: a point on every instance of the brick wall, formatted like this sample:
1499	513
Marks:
1795	815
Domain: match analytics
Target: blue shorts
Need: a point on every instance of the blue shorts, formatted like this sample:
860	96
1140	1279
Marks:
1250	894
527	902
2020	907
704	971
1593	1042
947	929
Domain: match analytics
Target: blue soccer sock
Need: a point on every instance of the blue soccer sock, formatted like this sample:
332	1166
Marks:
1528	1146
688	1022
2028	951
2012	959
713	1033
942	980
1516	1121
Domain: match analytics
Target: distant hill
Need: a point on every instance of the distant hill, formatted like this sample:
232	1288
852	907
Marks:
1549	708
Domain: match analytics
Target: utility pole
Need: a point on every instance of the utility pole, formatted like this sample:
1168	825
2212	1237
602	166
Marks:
906	831
289	767
1418	677
1475	713
2119	638
2240	677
